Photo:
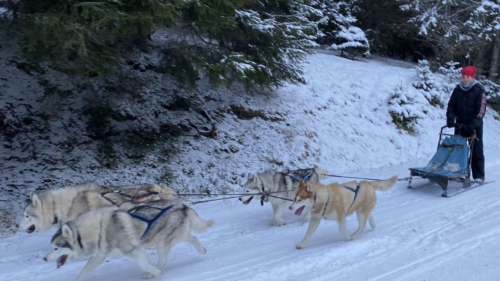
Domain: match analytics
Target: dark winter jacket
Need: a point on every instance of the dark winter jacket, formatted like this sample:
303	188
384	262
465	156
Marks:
467	107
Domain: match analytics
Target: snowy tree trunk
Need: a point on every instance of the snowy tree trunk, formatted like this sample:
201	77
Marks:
495	56
478	59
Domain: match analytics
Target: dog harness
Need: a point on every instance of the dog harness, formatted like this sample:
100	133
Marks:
304	178
356	191
326	204
266	194
149	221
119	196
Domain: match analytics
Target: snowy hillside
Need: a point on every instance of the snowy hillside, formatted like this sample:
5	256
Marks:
419	236
339	119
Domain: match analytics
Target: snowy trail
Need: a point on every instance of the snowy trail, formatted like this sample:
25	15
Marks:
419	236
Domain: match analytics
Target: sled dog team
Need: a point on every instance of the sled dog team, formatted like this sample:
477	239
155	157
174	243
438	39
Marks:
96	222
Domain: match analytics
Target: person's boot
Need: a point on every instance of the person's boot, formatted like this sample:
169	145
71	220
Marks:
480	180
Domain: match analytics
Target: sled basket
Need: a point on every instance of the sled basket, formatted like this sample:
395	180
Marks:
451	162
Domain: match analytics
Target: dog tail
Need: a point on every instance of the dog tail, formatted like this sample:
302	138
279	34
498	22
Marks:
197	224
166	192
385	185
322	174
88	186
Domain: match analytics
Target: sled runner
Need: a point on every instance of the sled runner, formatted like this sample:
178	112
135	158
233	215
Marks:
451	163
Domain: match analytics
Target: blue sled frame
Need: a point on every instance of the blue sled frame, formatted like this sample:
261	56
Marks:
451	163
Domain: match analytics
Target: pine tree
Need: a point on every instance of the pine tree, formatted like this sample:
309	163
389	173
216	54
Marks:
437	87
337	25
387	29
456	28
485	21
256	42
90	35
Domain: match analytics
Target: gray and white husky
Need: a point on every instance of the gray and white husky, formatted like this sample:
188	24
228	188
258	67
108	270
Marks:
50	208
279	184
106	232
55	207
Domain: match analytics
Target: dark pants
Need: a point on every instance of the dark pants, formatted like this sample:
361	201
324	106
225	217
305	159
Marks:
477	161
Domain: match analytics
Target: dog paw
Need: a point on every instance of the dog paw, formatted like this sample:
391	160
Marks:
148	275
275	223
300	246
151	275
203	250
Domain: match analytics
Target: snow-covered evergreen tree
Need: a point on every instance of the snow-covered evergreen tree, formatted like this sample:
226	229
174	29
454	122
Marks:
485	19
255	42
457	28
406	108
437	87
337	25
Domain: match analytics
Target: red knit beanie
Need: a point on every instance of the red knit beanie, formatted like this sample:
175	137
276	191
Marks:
469	71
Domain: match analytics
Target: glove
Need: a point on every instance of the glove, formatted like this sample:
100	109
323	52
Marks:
450	123
477	122
469	129
465	130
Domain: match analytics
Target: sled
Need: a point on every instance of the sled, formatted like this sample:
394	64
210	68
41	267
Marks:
451	163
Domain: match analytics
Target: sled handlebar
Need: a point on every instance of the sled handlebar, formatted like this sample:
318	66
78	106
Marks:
441	134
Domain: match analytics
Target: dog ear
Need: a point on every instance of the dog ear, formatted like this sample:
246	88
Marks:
309	187
256	180
302	184
66	231
35	200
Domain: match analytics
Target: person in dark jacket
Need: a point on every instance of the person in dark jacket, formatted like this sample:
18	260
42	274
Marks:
465	112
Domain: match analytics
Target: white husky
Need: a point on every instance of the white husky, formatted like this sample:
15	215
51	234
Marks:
49	208
279	184
107	231
55	207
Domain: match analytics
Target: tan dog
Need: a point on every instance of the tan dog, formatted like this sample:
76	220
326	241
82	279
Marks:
336	202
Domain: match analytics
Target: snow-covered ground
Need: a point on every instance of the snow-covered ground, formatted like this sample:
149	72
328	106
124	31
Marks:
340	121
419	236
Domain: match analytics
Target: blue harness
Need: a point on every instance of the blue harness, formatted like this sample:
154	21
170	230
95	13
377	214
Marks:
149	221
356	191
304	178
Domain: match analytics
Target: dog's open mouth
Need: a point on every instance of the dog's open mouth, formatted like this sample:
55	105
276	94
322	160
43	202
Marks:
299	210
31	229
248	201
61	260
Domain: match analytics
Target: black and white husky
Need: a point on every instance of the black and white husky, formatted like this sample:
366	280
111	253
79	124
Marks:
279	184
107	231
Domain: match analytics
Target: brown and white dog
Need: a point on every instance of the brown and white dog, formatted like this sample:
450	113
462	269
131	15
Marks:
336	202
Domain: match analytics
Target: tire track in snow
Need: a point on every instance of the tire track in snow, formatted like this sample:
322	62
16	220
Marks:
439	257
242	247
432	242
416	242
